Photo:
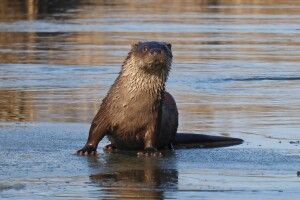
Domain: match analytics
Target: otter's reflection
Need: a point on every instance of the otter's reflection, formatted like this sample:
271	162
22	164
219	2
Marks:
127	176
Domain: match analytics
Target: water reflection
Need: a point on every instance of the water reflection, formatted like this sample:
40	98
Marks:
17	105
35	9
131	177
23	105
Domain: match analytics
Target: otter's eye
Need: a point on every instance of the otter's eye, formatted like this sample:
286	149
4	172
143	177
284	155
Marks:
145	48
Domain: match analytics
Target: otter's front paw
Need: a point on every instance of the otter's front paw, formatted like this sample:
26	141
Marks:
87	150
149	152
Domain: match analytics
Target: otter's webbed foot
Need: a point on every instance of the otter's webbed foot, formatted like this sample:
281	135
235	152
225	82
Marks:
110	148
87	150
149	151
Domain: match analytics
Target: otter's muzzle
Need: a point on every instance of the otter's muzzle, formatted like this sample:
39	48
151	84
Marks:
155	51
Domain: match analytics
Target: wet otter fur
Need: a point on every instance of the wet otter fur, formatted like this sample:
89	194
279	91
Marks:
137	113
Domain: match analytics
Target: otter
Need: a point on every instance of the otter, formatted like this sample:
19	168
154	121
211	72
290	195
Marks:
137	112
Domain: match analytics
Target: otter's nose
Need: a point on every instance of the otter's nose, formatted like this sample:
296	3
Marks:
155	51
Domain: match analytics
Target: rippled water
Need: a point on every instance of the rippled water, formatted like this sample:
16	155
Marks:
236	68
236	63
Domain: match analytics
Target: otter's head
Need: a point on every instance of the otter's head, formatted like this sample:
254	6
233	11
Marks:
151	57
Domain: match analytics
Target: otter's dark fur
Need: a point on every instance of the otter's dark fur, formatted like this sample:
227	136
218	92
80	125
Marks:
137	113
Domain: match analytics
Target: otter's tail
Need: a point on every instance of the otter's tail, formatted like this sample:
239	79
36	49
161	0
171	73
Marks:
190	140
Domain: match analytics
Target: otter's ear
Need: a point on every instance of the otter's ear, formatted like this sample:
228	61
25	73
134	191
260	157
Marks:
135	45
169	46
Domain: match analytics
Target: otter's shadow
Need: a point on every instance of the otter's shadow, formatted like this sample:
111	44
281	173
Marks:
126	175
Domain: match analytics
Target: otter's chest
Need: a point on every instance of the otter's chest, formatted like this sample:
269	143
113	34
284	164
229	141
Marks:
135	98
136	110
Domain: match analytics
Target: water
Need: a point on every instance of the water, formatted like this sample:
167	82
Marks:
235	72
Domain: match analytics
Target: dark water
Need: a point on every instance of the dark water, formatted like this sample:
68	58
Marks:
236	72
